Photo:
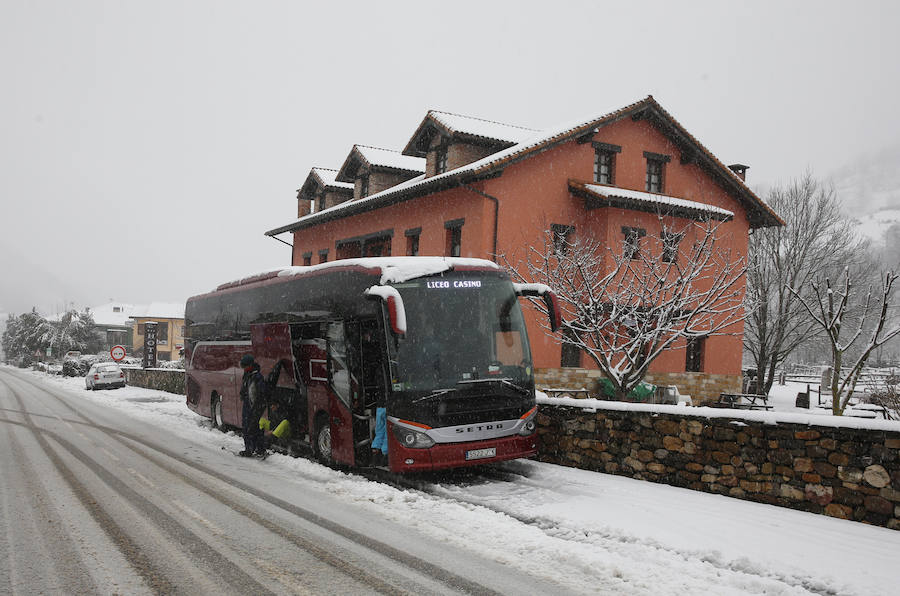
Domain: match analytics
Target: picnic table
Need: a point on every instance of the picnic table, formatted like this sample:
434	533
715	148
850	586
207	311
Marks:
743	401
863	410
574	393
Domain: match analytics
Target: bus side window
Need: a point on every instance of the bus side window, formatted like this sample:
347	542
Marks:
338	364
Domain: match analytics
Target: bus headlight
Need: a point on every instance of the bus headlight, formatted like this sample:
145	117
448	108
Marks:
527	428
529	425
412	439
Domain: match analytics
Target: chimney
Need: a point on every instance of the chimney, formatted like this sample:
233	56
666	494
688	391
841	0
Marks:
739	169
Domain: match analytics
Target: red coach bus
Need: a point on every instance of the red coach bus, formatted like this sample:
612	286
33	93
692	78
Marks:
439	342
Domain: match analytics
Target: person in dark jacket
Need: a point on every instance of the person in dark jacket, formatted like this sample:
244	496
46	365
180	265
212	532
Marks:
252	405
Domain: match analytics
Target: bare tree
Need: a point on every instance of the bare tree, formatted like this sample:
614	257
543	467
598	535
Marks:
831	308
625	308
782	263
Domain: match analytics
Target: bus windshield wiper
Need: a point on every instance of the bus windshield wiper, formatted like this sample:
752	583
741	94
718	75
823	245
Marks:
437	393
505	381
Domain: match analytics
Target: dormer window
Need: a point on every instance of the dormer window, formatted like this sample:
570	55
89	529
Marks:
363	187
440	159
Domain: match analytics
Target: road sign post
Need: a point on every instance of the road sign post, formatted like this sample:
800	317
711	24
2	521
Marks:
117	353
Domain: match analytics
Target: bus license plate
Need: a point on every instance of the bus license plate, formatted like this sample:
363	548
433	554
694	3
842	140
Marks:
481	453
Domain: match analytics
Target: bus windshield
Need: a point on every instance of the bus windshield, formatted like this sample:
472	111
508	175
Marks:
461	331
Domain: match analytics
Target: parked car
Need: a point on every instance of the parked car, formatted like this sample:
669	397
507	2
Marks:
104	374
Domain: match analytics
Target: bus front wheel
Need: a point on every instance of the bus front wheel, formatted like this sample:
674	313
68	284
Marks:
322	440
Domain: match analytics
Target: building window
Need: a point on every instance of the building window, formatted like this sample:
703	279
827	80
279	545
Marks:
454	237
670	246
632	246
563	237
162	333
117	309
378	246
321	202
349	249
655	171
182	331
140	329
363	187
694	358
307	259
571	354
323	256
605	162
412	242
440	159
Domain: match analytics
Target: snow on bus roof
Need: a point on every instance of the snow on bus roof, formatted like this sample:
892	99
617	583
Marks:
393	269
397	269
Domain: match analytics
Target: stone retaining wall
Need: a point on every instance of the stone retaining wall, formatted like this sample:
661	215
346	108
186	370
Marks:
163	379
849	473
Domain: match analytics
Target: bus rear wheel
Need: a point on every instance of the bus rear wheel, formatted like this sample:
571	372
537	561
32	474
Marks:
218	419
322	440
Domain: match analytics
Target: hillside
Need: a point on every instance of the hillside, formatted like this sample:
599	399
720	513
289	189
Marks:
869	187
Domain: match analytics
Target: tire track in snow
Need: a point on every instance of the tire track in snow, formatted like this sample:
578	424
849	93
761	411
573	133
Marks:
419	565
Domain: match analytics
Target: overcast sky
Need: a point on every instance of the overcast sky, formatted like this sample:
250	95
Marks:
145	147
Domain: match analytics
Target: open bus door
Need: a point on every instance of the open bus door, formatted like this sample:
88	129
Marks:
343	382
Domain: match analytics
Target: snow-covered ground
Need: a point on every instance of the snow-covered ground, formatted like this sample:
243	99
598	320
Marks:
592	533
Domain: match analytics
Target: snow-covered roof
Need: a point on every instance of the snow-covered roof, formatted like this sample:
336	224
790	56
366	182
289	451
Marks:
759	212
649	201
113	314
384	158
388	158
478	127
159	310
326	176
376	157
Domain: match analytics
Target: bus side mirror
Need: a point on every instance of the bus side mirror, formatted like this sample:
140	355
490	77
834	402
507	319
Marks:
551	302
394	302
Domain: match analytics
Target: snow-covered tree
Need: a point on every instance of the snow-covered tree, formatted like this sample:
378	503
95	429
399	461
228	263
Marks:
73	331
784	260
26	334
844	308
624	308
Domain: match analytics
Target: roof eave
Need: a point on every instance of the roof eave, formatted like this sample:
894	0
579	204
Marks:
343	174
365	205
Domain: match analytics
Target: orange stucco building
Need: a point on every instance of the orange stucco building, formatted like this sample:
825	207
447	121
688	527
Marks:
475	188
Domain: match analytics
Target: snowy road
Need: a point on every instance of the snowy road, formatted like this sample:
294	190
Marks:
525	528
96	502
